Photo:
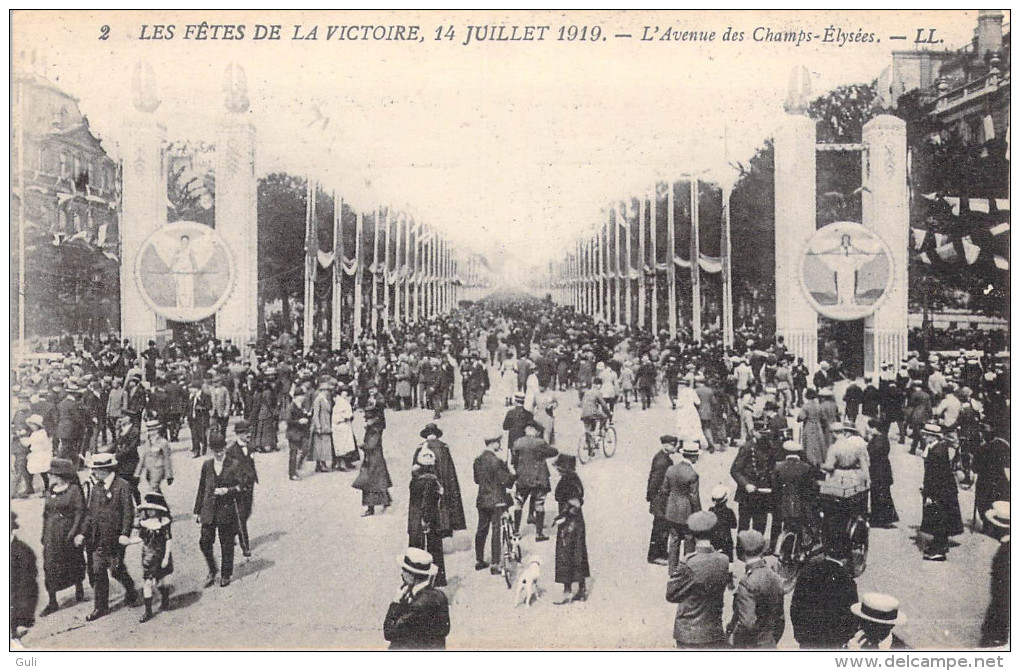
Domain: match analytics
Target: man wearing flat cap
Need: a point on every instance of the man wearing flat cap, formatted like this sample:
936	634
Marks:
514	422
697	585
532	453
758	607
492	475
658	543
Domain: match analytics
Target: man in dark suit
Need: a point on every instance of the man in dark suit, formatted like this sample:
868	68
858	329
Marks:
419	617
794	486
516	419
199	405
106	532
820	607
177	403
219	484
245	499
70	425
531	453
492	476
658	544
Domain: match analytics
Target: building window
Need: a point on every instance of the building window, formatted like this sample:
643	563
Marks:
63	165
77	223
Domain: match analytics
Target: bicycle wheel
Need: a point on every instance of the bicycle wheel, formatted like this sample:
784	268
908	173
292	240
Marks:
858	532
609	442
584	451
506	555
789	557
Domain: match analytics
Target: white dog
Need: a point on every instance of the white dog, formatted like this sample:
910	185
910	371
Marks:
528	589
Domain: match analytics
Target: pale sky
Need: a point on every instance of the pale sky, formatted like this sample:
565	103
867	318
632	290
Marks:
511	148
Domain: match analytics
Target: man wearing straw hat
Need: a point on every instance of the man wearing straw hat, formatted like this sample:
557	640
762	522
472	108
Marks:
419	615
106	531
878	614
995	630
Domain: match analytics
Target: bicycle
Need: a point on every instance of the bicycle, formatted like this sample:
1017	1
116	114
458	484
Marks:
847	523
603	439
510	546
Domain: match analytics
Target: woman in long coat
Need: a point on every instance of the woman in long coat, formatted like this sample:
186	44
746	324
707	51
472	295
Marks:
941	517
812	434
63	515
322	428
451	508
883	510
571	544
344	442
268	423
991	462
424	527
374	478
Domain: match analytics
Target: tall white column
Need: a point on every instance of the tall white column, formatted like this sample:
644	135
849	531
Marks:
795	188
886	212
143	204
618	280
236	209
727	273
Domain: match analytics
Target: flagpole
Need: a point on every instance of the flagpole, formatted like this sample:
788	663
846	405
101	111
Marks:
408	268
618	300
695	261
642	243
386	270
653	226
628	303
311	260
727	271
359	274
397	272
338	274
671	256
374	316
604	268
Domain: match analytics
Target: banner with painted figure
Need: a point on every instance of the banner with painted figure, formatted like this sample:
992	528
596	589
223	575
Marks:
184	271
845	271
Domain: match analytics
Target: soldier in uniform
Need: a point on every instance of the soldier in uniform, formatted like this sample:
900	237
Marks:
758	616
697	585
106	531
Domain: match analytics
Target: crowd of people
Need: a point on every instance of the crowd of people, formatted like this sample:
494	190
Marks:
96	426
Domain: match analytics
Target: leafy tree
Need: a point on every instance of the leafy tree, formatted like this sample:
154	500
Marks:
281	231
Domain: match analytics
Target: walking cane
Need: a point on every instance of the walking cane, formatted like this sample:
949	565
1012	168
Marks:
242	532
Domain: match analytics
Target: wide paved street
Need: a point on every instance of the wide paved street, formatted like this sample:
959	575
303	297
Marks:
322	576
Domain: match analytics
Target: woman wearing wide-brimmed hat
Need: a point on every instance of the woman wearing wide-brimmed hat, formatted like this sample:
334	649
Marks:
374	478
63	518
451	508
571	544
